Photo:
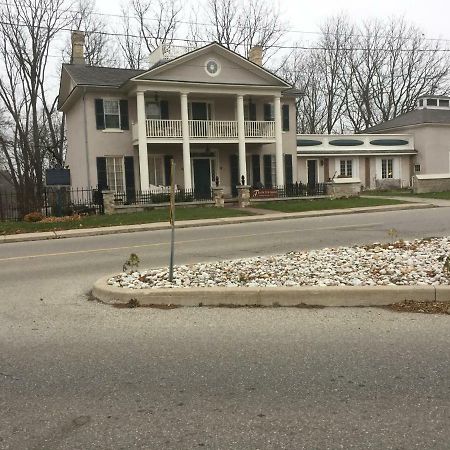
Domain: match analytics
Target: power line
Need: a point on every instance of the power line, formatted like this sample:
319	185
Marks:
190	22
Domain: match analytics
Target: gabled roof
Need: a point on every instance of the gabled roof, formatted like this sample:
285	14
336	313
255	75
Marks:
416	117
262	71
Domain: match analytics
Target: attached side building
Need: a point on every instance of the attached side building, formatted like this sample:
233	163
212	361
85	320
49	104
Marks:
429	124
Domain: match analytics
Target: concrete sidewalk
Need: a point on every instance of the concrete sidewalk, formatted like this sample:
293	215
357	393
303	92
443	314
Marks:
271	215
431	201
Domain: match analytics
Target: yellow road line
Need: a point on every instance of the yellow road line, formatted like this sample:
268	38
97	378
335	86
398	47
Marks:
97	250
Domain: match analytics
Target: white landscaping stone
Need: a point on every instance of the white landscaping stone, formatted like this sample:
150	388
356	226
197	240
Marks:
418	262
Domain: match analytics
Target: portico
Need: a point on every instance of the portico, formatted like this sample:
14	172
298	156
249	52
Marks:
191	120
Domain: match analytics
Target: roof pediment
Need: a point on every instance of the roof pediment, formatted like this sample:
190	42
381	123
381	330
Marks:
231	68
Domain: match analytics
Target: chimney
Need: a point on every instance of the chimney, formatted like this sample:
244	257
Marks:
255	55
77	47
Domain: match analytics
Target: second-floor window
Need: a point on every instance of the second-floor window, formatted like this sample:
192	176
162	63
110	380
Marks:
111	111
111	114
152	110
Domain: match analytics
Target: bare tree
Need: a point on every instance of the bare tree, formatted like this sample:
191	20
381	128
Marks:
240	25
355	77
27	30
98	48
147	24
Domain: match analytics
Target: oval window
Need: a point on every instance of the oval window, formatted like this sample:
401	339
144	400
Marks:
389	142
308	142
346	142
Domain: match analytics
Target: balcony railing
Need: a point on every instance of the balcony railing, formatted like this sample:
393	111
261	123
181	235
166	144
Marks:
259	128
204	129
213	128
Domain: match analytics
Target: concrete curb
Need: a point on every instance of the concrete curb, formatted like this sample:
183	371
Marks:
280	296
158	226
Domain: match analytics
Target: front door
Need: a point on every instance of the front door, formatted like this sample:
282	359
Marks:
312	172
202	177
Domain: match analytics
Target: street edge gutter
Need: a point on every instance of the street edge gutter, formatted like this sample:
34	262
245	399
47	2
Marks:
158	226
335	296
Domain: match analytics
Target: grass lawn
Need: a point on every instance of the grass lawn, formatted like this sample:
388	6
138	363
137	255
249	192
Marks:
157	215
322	204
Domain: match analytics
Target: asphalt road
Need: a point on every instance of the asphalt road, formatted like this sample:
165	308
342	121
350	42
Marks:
75	374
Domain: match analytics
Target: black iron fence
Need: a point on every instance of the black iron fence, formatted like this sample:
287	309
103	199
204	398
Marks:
68	201
162	195
51	202
289	190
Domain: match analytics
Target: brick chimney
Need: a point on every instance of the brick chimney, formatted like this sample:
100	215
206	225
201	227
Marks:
77	47
255	55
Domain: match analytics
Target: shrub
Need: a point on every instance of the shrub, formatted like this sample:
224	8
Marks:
33	217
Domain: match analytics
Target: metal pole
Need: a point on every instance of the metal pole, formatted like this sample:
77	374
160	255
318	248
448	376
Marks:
172	218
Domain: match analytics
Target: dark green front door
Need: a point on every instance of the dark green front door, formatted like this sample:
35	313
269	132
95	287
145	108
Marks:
202	178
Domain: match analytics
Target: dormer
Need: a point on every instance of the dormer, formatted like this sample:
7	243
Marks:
433	102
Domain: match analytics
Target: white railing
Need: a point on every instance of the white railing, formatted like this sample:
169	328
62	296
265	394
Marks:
213	128
219	129
259	128
164	128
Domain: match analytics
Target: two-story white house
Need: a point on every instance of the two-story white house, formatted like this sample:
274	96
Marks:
214	112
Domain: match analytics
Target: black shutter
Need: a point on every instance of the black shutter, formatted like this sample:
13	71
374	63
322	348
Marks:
288	179
268	171
251	111
124	123
234	170
167	159
256	170
99	115
267	111
129	178
102	180
285	111
164	108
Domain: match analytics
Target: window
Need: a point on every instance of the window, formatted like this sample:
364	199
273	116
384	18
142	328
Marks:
387	166
444	103
346	168
416	167
111	114
152	110
285	117
432	102
156	170
115	173
111	110
421	102
269	112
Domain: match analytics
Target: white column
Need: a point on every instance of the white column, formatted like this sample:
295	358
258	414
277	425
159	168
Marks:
186	145
142	138
241	137
278	141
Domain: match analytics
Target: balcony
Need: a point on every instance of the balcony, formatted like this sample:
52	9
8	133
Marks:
216	130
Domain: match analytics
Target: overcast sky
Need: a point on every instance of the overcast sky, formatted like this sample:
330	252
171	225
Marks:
433	16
